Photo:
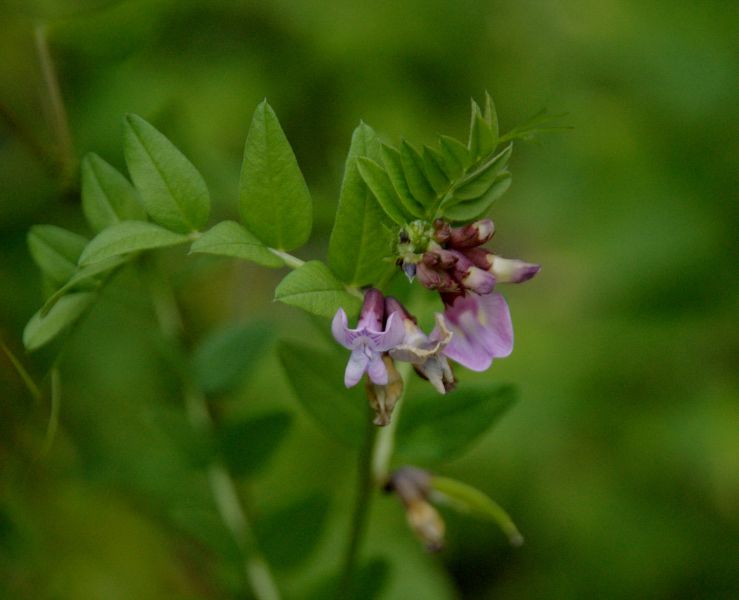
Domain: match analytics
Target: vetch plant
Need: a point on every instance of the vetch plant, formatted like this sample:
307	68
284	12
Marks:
409	223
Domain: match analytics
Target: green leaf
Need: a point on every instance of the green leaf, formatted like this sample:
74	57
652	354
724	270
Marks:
85	278
228	238
42	329
317	378
247	446
465	211
435	428
226	357
415	176
314	288
55	251
456	155
289	535
466	498
107	196
491	116
481	179
171	188
483	142
378	181
433	166
394	169
362	235
275	202
126	237
539	123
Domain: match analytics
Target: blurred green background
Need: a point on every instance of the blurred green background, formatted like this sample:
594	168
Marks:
620	463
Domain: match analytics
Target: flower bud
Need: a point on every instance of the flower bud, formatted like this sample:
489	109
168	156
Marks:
436	280
508	270
472	235
471	277
373	310
442	231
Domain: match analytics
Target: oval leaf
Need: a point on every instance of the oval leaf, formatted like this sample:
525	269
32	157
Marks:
471	209
317	379
314	288
275	202
55	251
481	179
107	196
433	166
415	176
128	236
228	238
362	235
172	190
394	169
435	428
42	329
226	357
289	535
248	445
378	181
456	155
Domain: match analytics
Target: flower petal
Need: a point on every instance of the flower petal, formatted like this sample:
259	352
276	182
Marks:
377	370
393	334
340	329
355	368
498	325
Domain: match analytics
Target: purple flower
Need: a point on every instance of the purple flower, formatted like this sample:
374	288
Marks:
424	352
481	329
369	340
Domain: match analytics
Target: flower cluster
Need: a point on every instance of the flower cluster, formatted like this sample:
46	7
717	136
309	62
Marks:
474	329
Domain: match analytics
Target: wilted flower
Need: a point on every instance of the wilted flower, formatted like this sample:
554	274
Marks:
369	340
413	486
424	352
383	398
481	329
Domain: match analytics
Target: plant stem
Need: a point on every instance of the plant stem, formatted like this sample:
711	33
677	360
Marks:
291	261
222	486
56	400
374	466
385	443
360	515
57	112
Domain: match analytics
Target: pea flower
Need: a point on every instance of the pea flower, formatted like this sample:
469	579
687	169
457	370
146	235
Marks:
481	329
424	352
369	340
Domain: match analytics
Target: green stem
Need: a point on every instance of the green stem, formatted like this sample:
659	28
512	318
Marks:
222	486
56	401
385	444
374	467
295	263
57	112
360	515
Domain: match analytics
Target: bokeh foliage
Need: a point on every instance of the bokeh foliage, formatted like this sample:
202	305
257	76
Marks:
620	462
